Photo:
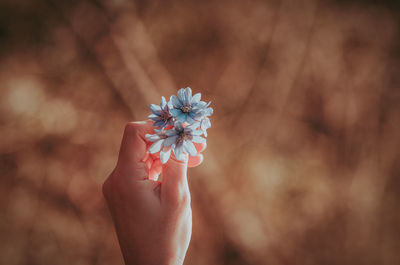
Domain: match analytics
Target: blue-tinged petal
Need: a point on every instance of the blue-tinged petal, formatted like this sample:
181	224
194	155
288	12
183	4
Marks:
151	116
175	112
171	132
192	114
193	126
175	102
188	96
169	104
182	117
209	111
165	154
189	119
206	123
166	123
197	132
190	148
158	123
163	102
155	109
196	98
152	137
200	105
170	140
181	95
204	128
178	151
156	147
155	119
199	115
198	139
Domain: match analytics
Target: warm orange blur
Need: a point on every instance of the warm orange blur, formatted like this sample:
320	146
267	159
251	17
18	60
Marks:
302	164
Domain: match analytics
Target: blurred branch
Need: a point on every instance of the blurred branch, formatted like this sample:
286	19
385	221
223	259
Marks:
87	47
238	115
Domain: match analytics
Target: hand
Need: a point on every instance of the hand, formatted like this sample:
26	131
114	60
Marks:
153	219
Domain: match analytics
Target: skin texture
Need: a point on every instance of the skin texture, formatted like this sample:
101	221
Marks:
153	219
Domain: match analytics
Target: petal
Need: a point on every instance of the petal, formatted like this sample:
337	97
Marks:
196	98
190	148
151	116
175	102
171	132
209	111
192	114
201	105
178	151
200	115
189	119
182	117
163	102
188	95
170	140
159	123
181	95
193	126
169	104
165	154
197	132
198	139
205	124
152	137
156	147
155	109
175	112
155	119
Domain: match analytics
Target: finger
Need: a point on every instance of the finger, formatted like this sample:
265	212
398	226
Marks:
174	187
200	147
194	161
133	149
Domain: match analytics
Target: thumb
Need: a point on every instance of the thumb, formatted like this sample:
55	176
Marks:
133	149
174	187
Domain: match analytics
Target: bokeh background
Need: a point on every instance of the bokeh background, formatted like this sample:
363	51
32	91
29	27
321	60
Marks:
302	164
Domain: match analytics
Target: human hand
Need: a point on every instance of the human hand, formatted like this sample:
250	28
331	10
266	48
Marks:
153	219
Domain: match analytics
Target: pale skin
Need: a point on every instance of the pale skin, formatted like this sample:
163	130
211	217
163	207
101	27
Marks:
153	219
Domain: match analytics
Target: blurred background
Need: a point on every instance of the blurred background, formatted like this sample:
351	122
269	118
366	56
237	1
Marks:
302	164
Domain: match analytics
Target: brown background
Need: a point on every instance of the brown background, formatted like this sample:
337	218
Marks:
302	164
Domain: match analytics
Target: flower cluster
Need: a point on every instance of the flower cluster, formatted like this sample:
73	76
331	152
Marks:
180	122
